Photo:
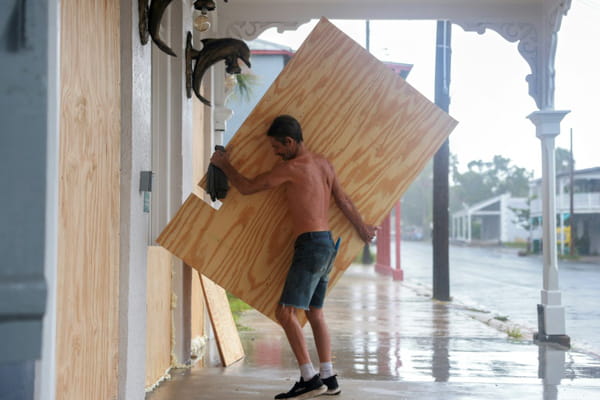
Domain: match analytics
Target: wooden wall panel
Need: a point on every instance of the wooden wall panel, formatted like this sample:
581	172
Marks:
226	334
375	128
158	313
89	210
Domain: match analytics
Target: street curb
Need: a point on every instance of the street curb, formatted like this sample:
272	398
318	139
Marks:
513	330
488	318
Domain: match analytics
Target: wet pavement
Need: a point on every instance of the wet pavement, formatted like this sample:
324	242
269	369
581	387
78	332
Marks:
390	340
496	279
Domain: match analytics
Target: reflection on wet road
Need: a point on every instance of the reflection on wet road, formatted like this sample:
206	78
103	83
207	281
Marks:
391	341
385	330
500	281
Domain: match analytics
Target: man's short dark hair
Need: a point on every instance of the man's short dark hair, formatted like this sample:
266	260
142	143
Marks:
283	126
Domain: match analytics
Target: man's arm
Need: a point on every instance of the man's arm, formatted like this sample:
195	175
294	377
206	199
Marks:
244	185
365	231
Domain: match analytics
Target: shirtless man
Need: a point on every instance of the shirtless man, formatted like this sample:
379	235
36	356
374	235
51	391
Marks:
310	181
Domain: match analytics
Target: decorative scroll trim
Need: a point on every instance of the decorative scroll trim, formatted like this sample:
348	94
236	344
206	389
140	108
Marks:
527	36
250	30
537	45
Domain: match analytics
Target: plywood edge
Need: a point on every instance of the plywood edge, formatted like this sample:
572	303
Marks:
226	333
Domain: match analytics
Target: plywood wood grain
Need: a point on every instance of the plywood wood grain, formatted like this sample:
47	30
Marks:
226	334
377	131
197	323
199	114
87	337
158	313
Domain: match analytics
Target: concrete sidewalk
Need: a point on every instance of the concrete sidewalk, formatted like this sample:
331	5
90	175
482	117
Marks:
392	341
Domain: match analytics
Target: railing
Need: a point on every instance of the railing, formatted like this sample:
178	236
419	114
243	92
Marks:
582	203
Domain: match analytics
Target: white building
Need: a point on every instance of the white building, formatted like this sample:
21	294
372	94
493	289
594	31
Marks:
586	210
490	221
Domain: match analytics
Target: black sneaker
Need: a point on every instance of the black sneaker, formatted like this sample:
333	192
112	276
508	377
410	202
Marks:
332	386
305	390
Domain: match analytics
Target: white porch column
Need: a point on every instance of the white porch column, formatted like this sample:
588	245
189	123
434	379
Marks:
454	230
551	314
221	113
469	227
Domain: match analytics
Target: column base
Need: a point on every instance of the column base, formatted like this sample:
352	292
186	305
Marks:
383	269
562	340
551	325
398	274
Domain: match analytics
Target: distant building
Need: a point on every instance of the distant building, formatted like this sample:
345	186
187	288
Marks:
490	221
586	208
268	59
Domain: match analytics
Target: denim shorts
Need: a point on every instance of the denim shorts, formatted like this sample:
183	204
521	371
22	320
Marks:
306	282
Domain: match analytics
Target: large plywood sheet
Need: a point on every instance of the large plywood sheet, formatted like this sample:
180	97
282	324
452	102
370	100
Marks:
377	131
158	313
228	338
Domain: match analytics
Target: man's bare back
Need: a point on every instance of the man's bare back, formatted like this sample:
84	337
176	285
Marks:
308	192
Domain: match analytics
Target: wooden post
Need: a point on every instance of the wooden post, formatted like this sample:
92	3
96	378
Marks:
441	268
383	264
398	273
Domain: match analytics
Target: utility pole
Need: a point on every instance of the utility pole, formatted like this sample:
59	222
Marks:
441	270
571	196
367	258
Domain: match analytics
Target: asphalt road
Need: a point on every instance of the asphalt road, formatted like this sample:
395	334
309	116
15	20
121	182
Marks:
498	280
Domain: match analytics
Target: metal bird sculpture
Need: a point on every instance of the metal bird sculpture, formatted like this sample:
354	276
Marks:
214	50
151	17
207	5
155	14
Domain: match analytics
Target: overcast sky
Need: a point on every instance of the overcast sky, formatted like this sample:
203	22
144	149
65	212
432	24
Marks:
489	94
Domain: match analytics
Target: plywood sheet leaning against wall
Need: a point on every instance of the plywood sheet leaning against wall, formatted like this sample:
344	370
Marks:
377	131
87	303
158	314
197	325
228	338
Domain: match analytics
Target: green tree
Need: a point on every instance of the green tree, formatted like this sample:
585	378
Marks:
483	180
417	202
563	160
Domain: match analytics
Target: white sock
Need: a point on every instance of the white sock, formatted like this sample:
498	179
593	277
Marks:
326	370
307	371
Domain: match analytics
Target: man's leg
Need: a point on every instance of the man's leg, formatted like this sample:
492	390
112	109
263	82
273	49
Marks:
316	318
286	315
310	385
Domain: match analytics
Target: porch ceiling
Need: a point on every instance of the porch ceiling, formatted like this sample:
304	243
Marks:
455	10
531	23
